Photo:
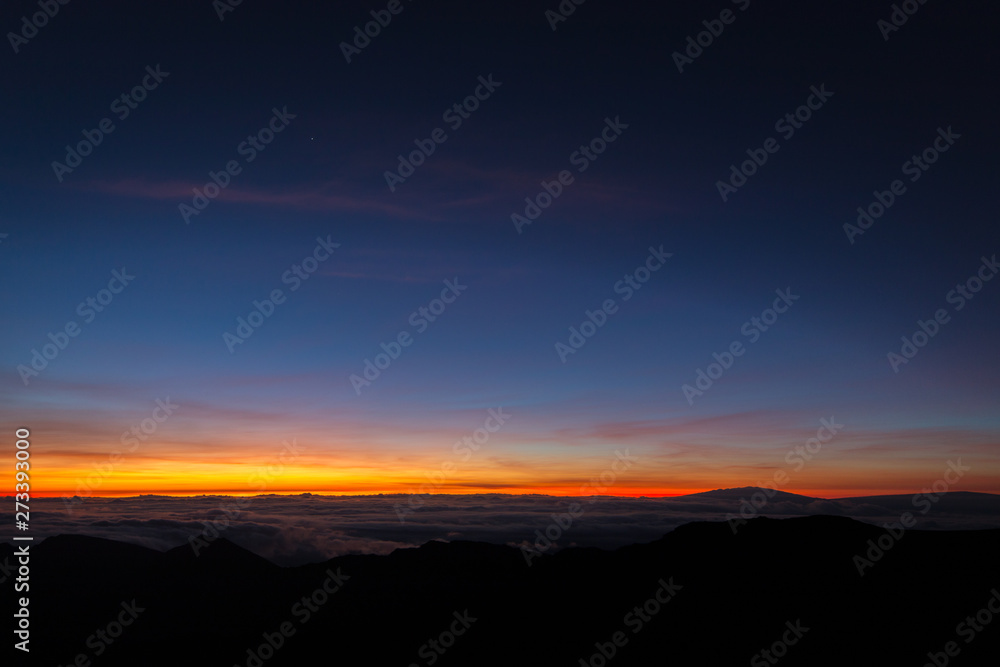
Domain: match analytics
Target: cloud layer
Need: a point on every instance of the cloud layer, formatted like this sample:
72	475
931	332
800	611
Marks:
291	530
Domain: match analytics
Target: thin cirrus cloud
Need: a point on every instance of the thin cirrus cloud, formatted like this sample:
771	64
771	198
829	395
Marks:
315	199
447	185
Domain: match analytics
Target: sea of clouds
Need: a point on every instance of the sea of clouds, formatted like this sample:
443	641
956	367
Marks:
292	530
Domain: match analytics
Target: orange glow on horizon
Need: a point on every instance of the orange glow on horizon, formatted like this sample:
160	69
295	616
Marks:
345	469
831	494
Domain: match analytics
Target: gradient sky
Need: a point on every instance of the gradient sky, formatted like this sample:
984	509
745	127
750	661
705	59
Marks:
323	176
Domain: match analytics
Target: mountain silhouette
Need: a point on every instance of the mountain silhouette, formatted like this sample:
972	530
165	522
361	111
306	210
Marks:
772	495
729	596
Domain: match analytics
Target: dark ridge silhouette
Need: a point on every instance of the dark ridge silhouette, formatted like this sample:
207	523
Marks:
223	554
7	564
738	592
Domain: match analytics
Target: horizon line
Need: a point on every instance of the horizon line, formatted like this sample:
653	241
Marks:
243	494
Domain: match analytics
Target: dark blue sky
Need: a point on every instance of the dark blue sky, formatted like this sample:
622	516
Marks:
323	176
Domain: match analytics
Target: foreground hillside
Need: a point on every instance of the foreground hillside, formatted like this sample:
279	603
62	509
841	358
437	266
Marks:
701	595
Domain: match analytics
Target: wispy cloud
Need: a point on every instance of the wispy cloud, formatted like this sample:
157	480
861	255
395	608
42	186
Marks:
314	198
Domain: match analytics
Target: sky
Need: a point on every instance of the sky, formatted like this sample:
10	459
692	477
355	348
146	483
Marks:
277	197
